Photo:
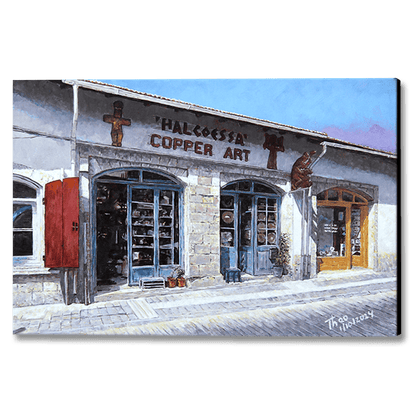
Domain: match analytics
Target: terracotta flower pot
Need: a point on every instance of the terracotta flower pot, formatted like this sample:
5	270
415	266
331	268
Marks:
181	282
171	282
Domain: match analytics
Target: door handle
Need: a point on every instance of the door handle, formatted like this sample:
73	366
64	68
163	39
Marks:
74	226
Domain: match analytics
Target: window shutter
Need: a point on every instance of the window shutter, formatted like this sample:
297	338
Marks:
62	223
70	222
53	224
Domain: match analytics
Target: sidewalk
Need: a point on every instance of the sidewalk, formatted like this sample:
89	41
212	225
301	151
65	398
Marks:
132	306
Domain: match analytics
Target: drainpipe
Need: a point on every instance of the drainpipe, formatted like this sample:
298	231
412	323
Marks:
307	223
324	145
74	167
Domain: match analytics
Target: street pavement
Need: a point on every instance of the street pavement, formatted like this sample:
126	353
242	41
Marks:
357	303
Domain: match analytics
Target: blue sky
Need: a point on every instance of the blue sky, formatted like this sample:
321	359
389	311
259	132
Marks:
361	111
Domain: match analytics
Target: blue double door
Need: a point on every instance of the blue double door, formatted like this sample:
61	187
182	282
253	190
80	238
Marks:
153	232
249	229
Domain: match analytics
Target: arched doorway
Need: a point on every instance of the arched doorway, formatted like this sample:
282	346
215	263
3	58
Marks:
249	226
138	225
342	229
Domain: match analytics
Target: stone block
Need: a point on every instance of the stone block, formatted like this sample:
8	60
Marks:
208	199
194	269
209	269
201	249
206	281
203	190
195	199
197	218
38	298
21	299
51	287
200	259
214	258
204	180
196	238
214	190
213	210
197	208
211	240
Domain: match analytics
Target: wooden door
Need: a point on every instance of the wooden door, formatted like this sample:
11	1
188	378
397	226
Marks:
333	228
359	236
342	230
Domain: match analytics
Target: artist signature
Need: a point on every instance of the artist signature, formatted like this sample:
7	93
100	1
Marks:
344	323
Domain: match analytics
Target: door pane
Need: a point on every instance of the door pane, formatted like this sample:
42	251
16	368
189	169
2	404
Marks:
142	215
176	227
246	211
227	221
331	231
261	222
266	222
356	232
167	229
271	221
111	211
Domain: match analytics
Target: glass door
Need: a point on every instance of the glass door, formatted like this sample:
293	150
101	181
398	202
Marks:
359	215
266	230
142	235
228	231
246	262
333	236
168	232
342	230
154	233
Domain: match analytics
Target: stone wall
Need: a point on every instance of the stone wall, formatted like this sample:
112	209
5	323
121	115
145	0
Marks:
36	289
387	263
202	200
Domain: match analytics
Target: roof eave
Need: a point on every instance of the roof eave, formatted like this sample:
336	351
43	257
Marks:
109	89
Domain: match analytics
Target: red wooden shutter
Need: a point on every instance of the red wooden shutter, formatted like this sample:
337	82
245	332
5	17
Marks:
53	224
62	223
70	221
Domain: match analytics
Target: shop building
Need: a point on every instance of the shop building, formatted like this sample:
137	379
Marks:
113	186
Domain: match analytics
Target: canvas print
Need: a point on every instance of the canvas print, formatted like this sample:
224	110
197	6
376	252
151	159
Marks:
216	208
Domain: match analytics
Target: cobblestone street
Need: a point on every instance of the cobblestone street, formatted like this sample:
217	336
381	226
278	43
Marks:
362	305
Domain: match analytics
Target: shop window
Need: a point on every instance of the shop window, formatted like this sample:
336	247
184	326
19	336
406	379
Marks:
331	231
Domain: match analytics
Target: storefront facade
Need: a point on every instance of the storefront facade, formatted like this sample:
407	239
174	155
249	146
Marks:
159	185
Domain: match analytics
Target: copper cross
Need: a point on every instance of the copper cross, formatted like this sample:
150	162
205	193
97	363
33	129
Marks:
274	144
118	122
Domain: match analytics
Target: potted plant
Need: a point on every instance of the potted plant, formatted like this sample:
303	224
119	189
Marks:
280	257
284	247
180	280
177	278
171	281
276	259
